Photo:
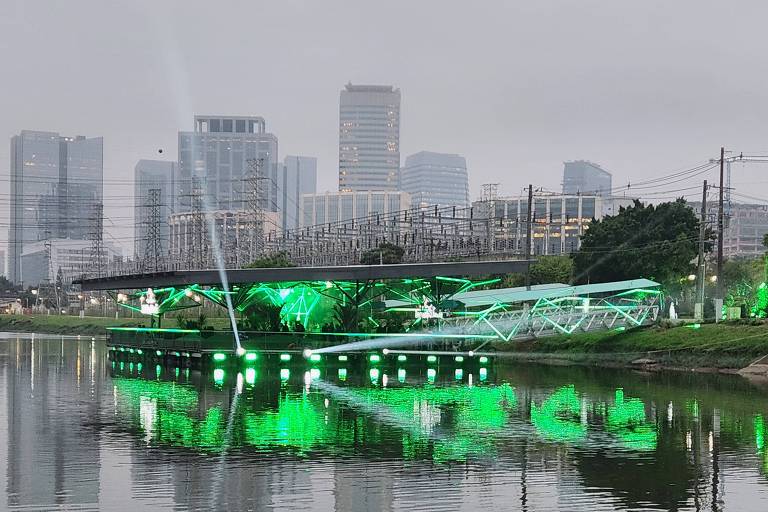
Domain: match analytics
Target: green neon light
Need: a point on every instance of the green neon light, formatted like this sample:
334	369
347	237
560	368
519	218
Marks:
374	358
458	374
315	358
459	359
483	359
285	357
558	417
431	359
401	375
343	358
314	373
342	374
218	376
219	356
250	376
402	357
483	374
158	353
251	356
374	375
153	329
431	374
285	374
693	326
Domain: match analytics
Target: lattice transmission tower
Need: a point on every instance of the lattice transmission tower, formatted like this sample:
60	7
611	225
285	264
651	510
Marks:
96	235
252	245
153	248
198	252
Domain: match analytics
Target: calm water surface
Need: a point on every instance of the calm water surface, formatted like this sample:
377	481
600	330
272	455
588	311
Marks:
78	432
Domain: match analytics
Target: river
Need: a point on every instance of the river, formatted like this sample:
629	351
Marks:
81	432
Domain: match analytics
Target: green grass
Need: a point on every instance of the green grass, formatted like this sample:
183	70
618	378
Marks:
724	345
64	324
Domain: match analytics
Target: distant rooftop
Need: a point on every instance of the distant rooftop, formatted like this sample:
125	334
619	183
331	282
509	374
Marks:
229	124
370	88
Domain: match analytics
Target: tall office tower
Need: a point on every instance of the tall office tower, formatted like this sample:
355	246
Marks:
369	138
436	179
297	176
56	191
152	175
583	177
214	163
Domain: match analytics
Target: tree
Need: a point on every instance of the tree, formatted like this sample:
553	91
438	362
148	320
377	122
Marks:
552	269
264	316
658	242
386	253
278	259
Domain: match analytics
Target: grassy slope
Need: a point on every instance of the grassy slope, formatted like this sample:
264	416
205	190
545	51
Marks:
63	324
726	345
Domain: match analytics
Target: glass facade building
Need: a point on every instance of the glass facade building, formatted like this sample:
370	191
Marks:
297	176
330	207
436	179
558	221
56	191
148	175
583	177
369	138
215	158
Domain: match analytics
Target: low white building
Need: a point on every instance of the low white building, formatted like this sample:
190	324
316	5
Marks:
72	257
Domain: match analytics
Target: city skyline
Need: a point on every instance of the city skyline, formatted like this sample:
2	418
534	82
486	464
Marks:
514	124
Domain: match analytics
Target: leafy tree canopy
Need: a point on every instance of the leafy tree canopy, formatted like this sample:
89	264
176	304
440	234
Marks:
386	253
657	242
275	260
552	269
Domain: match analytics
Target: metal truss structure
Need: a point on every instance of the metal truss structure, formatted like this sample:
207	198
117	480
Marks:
434	308
565	315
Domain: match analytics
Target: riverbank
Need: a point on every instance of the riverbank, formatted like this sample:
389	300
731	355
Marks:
706	347
64	324
89	325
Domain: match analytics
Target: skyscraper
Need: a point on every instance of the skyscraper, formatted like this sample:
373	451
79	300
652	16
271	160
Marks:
216	155
436	179
369	138
56	191
152	175
583	177
298	177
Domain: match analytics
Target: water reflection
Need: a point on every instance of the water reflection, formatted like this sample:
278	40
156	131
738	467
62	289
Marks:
79	430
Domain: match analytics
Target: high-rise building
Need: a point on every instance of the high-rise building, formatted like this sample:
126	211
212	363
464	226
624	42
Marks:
56	191
214	161
436	179
369	138
152	175
297	176
583	177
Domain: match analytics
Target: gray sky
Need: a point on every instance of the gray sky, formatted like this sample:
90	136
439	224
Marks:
642	88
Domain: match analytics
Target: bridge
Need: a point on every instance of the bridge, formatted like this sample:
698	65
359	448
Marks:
456	306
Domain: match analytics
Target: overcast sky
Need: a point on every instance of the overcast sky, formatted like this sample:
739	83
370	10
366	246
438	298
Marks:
643	88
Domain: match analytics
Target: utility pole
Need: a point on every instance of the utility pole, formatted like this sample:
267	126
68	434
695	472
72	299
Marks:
720	225
529	236
699	313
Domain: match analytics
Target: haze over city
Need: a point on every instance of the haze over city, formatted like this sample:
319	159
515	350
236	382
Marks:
516	88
